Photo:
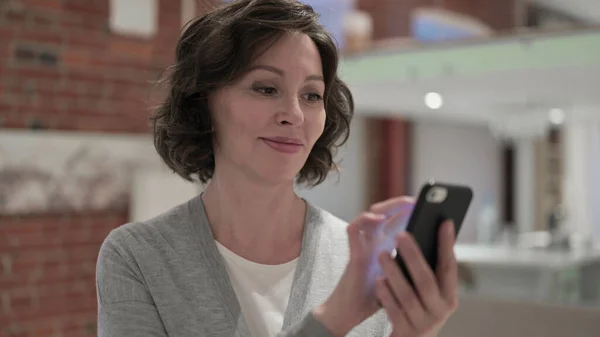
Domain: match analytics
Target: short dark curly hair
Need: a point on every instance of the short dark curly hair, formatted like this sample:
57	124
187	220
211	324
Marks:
216	49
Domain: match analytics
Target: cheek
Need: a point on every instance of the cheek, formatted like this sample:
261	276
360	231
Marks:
317	125
244	121
234	140
230	130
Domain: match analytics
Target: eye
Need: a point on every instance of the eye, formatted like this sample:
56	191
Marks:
267	91
313	97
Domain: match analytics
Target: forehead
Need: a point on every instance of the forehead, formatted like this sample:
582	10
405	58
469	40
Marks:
293	52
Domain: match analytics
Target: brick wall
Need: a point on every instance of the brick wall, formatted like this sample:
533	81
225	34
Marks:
61	68
47	268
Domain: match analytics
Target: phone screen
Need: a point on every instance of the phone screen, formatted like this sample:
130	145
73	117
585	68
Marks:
384	237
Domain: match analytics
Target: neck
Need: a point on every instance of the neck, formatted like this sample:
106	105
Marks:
263	223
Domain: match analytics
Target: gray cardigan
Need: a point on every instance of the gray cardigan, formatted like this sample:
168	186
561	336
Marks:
165	277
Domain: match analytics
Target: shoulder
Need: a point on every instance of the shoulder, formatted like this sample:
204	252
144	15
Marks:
332	229
326	220
170	227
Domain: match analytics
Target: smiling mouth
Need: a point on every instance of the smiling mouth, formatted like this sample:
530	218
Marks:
283	145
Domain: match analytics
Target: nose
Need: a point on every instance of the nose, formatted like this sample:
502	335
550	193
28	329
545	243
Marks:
291	113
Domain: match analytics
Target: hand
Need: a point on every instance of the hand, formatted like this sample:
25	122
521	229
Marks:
421	311
353	299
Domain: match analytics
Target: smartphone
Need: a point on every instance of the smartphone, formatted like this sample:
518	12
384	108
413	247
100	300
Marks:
437	202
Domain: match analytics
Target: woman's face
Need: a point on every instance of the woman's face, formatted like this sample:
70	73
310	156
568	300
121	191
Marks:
267	123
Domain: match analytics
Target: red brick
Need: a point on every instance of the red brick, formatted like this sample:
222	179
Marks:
95	23
5	108
43	21
41	36
5	54
27	263
7	33
45	4
35	73
86	8
100	84
72	23
17	332
13	123
45	114
14	18
86	75
21	299
59	324
75	57
86	42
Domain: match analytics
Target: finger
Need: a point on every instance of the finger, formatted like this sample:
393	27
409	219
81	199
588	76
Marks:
423	277
370	224
403	291
363	223
394	205
394	311
447	269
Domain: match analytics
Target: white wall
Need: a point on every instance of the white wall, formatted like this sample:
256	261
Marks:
345	194
581	178
134	18
525	172
452	153
458	154
154	192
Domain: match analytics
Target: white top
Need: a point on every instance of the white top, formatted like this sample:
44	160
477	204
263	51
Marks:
263	291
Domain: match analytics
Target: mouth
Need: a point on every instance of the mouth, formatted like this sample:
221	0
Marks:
283	145
284	140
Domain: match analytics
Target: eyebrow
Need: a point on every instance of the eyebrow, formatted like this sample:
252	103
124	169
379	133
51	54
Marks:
282	73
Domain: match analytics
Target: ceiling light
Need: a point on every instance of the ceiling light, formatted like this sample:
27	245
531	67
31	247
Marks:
556	116
433	100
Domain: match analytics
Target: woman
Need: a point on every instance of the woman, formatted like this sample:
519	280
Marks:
254	105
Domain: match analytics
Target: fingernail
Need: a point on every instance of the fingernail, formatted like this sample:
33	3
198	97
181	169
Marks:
450	227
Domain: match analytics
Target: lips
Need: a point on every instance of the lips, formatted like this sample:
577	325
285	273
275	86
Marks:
284	140
283	144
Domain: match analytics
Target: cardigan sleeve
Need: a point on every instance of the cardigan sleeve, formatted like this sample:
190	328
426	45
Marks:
125	307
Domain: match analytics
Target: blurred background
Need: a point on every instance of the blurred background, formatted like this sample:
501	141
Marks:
502	95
